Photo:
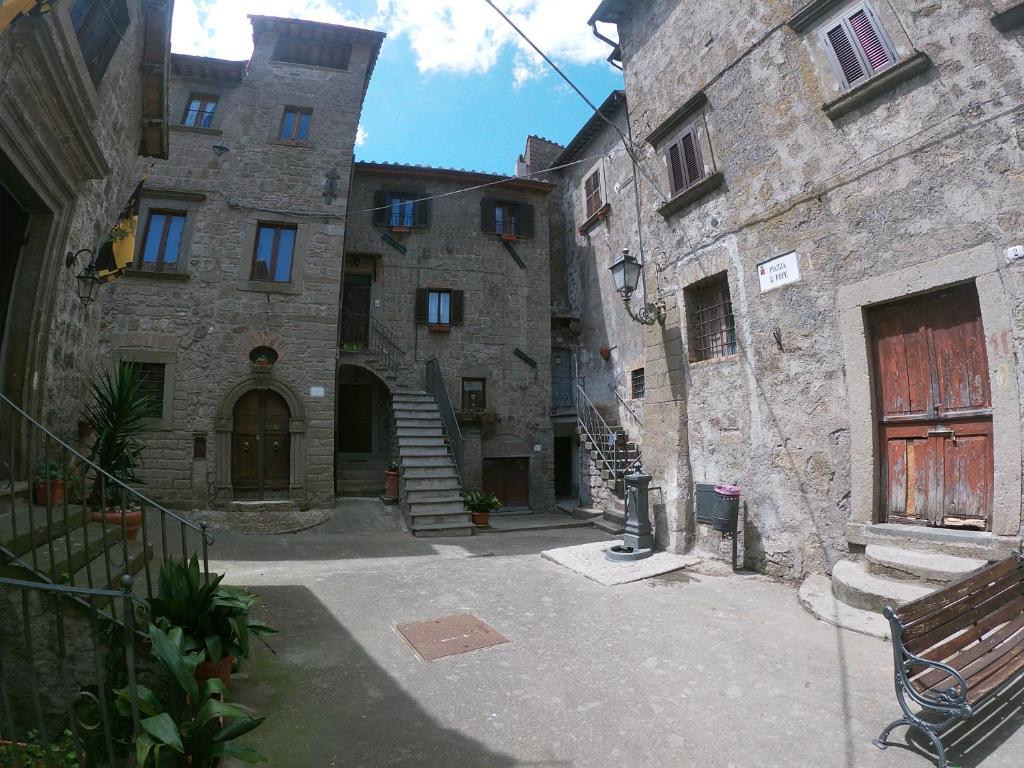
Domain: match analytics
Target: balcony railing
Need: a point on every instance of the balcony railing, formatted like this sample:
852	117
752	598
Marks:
361	332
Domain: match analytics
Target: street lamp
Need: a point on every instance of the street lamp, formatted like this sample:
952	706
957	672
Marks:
88	279
626	275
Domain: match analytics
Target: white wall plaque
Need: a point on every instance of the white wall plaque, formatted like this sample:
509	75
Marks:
780	271
316	391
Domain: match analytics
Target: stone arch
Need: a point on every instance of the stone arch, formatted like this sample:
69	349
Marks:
296	429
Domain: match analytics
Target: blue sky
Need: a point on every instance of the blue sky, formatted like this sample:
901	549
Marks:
454	86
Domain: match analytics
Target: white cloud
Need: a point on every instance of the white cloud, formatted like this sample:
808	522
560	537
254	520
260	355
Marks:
361	136
446	35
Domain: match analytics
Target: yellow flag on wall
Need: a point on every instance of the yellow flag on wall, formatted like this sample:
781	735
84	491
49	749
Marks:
12	9
117	253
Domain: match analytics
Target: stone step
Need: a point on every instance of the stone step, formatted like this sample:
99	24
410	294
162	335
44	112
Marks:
905	564
417	419
438	530
447	492
817	597
31	525
415	405
419	452
433	474
442	460
71	553
419	431
852	584
972	544
423	521
412	397
405	442
20	490
437	507
609	526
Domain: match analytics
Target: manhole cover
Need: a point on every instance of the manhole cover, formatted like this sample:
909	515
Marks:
459	633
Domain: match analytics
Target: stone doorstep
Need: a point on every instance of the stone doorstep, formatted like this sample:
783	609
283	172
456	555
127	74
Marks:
905	564
817	597
972	544
852	584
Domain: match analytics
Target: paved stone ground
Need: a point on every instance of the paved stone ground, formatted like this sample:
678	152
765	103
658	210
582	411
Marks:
688	669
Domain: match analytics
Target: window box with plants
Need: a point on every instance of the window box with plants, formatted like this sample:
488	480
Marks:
480	506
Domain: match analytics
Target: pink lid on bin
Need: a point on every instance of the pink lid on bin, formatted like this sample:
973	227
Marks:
727	490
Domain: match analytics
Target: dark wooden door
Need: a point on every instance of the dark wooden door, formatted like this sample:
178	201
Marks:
509	480
934	406
355	418
562	394
261	445
355	311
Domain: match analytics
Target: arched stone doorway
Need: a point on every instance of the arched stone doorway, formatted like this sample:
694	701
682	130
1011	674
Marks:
365	433
260	446
261	429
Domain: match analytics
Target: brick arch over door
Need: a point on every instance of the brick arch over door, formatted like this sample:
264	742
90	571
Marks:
296	429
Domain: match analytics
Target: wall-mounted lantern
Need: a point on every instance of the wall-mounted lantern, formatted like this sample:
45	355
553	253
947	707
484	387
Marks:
626	273
88	279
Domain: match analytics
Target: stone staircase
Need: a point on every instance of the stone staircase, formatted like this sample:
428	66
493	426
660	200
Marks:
430	489
899	564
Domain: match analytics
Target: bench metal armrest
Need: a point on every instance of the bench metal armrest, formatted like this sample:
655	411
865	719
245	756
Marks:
953	699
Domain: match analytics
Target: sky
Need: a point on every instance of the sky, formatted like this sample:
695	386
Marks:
454	86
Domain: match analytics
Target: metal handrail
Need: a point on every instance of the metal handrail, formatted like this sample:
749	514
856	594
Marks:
625	405
436	386
373	336
603	436
57	528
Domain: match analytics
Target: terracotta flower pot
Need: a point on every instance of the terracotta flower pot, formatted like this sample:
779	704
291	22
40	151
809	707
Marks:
113	517
480	518
219	669
391	483
56	493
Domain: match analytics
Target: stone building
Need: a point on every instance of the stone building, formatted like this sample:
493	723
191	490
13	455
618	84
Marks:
82	95
231	308
830	210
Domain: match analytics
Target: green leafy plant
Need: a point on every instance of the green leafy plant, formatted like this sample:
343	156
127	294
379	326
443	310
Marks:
118	411
186	724
48	470
479	501
213	617
60	753
393	466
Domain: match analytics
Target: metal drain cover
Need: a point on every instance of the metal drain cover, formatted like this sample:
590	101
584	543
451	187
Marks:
449	635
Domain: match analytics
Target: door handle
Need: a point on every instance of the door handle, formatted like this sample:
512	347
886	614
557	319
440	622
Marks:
245	445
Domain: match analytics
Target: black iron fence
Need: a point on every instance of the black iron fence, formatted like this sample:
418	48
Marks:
436	387
361	332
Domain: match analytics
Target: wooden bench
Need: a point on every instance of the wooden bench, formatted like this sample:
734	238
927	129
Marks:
958	647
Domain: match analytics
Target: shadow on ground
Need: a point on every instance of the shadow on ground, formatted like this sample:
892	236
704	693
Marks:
329	704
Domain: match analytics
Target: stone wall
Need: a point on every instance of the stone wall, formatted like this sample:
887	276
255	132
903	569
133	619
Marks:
924	170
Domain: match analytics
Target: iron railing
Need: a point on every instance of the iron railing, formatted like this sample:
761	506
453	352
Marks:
365	333
436	387
609	442
60	667
82	532
626	406
562	395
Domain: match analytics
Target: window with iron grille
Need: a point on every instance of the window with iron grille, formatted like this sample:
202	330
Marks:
151	381
711	329
295	124
592	190
100	26
200	110
272	255
684	161
636	381
858	45
199	446
161	245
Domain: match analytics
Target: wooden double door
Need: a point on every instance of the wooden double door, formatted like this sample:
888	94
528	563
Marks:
509	480
934	408
261	446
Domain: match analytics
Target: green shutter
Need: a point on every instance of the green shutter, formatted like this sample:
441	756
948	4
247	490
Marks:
380	208
421	212
458	307
525	220
487	222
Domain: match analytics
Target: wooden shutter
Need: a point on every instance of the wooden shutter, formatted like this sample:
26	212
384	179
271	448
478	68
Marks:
458	307
487	221
676	171
685	164
592	190
421	212
380	207
850	67
525	220
422	299
868	33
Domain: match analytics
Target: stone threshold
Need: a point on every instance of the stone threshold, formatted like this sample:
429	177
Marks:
980	544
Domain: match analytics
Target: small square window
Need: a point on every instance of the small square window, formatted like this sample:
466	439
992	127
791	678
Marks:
636	380
439	308
273	253
199	446
711	328
401	211
151	381
200	110
506	219
858	45
474	394
592	191
295	124
161	245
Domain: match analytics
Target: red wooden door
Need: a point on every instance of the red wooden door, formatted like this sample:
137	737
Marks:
260	445
934	407
509	480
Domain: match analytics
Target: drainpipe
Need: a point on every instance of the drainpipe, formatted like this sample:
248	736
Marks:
615	57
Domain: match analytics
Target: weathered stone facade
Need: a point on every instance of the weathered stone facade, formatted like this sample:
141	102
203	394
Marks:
232	175
904	184
69	139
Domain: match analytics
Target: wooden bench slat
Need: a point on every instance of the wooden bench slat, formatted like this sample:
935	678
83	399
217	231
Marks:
1012	666
964	620
949	612
930	603
958	642
980	667
962	660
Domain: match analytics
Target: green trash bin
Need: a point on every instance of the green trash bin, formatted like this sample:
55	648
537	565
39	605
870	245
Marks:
727	508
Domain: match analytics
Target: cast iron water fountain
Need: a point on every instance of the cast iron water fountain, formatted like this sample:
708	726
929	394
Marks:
637	541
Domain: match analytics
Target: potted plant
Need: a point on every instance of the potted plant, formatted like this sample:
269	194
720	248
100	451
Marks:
391	481
480	505
118	413
214	617
49	483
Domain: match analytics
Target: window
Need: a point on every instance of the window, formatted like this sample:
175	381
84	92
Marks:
439	307
474	394
636	381
592	190
151	381
683	158
199	446
99	25
272	257
710	325
199	112
858	45
162	244
295	124
297	51
401	209
504	217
